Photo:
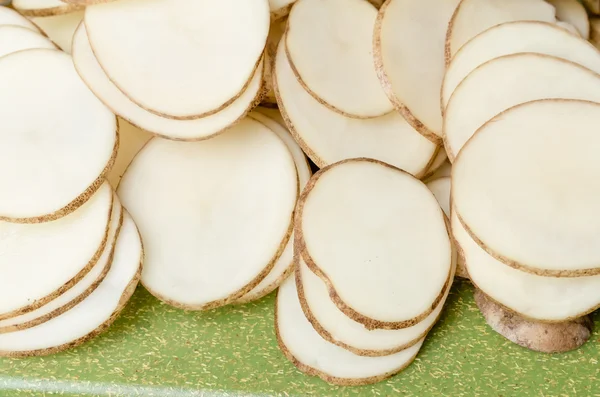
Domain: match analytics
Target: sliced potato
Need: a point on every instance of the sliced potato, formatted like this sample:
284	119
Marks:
275	34
228	204
60	28
132	141
519	203
572	12
440	158
280	8
313	355
15	38
44	8
8	16
444	171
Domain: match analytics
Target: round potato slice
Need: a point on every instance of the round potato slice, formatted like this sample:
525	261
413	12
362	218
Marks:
60	28
44	8
275	35
176	49
187	130
444	171
472	17
327	137
313	355
133	140
329	48
58	253
94	314
15	38
9	16
508	81
384	251
62	139
573	13
512	38
439	160
521	187
228	203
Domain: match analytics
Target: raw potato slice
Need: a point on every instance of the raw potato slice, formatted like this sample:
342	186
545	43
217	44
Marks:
474	16
133	140
59	253
327	137
329	47
437	162
409	57
381	269
443	171
569	27
228	203
17	38
280	8
556	299
572	12
512	38
60	28
79	291
523	206
313	355
9	16
63	140
90	71
335	327
273	114
43	8
275	34
194	46
284	265
94	314
541	337
508	81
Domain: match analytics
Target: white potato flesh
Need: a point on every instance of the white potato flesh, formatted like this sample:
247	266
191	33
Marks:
444	171
441	190
60	28
438	161
410	54
37	4
83	288
508	81
95	311
275	34
536	297
328	137
178	49
285	261
384	248
474	16
17	38
55	252
329	44
93	75
9	16
515	37
228	204
61	137
351	333
324	359
132	140
522	186
573	13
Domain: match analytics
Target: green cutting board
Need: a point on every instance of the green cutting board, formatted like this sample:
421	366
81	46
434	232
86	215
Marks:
155	350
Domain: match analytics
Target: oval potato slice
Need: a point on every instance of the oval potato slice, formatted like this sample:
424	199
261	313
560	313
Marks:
60	28
15	38
44	8
573	13
8	16
133	140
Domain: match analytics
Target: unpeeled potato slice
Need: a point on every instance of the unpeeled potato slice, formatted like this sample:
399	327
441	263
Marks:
573	12
508	81
93	315
44	8
228	204
275	34
58	253
17	38
516	37
327	137
90	71
9	16
521	187
60	28
384	251
474	16
132	140
440	158
176	49
313	355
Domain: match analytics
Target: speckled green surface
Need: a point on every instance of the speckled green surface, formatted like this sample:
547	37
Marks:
154	350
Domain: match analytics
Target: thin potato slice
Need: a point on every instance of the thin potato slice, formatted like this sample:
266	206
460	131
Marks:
275	35
573	13
313	355
521	187
133	140
228	204
439	160
445	170
60	28
17	38
384	251
44	8
176	49
9	16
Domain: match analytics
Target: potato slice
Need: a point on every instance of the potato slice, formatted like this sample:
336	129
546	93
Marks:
59	253
327	137
573	13
280	8
515	37
519	203
44	8
275	35
63	140
9	16
508	81
311	354
15	38
211	47
409	56
60	28
474	16
133	140
444	171
93	315
329	48
90	71
79	291
348	243
440	158
212	195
